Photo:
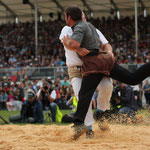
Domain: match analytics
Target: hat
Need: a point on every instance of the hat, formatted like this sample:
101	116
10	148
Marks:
12	83
49	78
4	77
53	86
5	84
31	93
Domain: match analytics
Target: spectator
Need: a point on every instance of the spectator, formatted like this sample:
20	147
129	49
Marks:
19	49
19	99
125	101
11	60
47	96
65	82
49	80
73	102
146	90
60	72
10	104
64	91
34	86
32	109
5	81
61	98
137	89
28	85
140	96
6	88
3	100
26	79
57	82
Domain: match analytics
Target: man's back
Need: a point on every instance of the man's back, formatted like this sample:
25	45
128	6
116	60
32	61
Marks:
86	34
128	98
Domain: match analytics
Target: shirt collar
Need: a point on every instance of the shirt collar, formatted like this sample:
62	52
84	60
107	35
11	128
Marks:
76	24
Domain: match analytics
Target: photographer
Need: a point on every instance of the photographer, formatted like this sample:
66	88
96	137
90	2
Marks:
47	95
31	110
124	98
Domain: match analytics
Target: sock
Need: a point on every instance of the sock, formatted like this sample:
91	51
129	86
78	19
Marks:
90	127
99	110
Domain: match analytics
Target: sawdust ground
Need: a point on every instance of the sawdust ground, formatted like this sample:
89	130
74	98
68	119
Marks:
57	137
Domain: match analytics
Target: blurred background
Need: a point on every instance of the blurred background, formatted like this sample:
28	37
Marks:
31	52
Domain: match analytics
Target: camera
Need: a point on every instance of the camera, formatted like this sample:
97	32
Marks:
45	87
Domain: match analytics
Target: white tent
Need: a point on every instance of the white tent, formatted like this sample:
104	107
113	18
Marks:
10	9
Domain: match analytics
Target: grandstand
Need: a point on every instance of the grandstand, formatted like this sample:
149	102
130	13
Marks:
26	44
24	9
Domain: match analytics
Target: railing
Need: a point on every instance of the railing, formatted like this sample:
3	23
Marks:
40	72
34	72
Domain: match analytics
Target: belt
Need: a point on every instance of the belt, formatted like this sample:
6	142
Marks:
96	53
93	52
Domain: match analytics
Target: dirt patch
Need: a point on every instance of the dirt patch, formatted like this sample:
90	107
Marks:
56	137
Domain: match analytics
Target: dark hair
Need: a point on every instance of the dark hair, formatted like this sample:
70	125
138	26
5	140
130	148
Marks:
74	12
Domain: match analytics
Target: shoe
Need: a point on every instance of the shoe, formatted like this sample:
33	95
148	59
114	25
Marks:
104	115
79	130
98	115
89	134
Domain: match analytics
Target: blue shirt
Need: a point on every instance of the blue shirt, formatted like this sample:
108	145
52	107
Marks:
3	97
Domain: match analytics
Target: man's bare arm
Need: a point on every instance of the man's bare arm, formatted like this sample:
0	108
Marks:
108	48
74	45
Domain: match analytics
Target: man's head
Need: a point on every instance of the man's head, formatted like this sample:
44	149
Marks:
4	78
5	85
2	92
122	85
45	86
72	14
65	79
31	95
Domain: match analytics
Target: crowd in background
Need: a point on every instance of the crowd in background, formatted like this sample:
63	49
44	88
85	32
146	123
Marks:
13	94
17	41
17	50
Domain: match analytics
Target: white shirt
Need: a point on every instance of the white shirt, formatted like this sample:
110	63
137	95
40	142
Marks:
72	58
135	88
53	93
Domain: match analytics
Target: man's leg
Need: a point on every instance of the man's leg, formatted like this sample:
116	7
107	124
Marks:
123	75
76	84
105	89
88	86
126	110
53	107
125	113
